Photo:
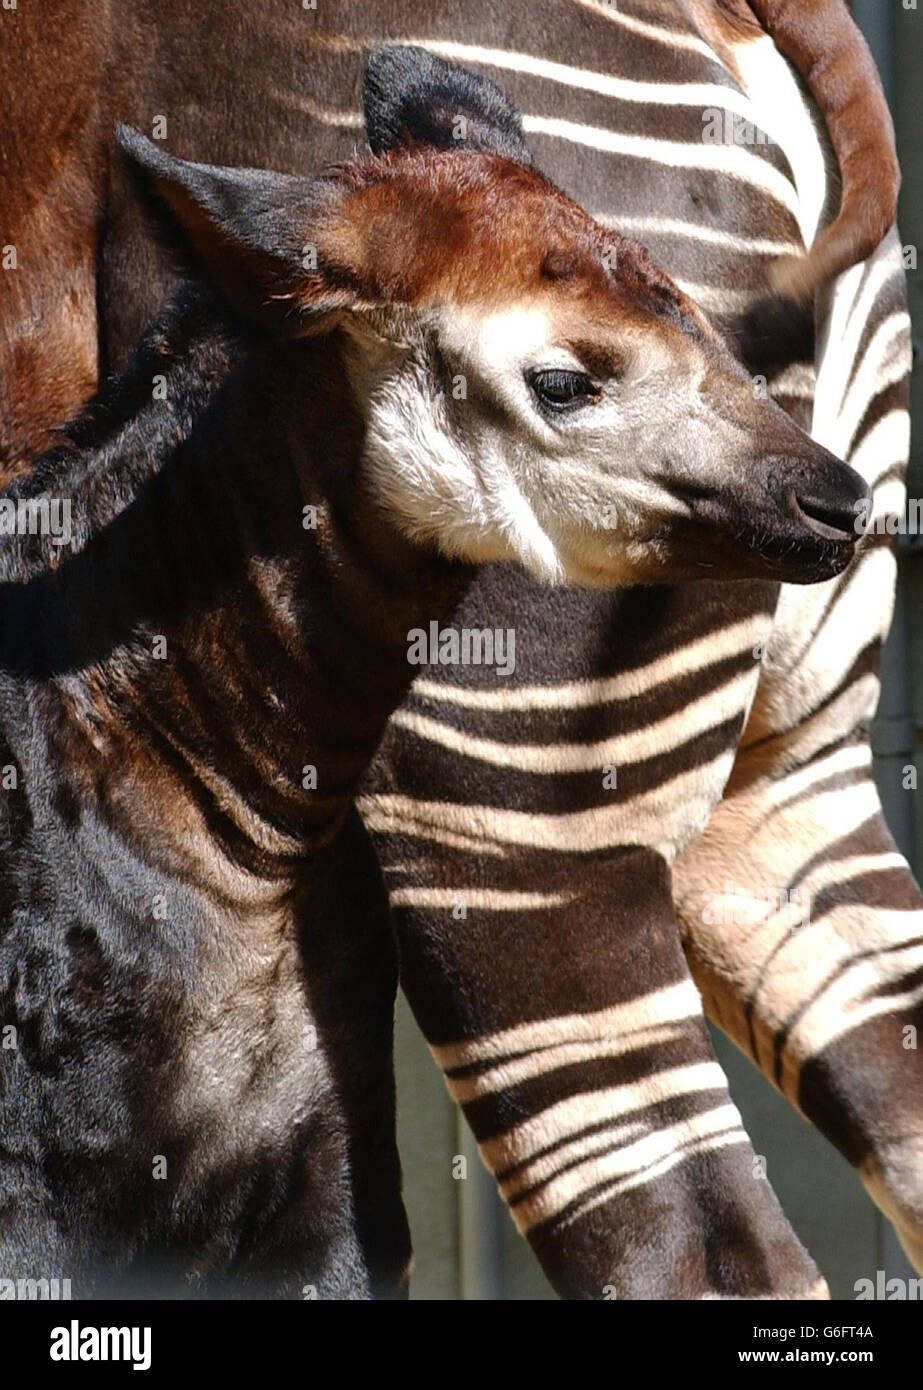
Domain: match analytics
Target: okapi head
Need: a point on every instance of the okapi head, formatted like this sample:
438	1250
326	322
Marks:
532	387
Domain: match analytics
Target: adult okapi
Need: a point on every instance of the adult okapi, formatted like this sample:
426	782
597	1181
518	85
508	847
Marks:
561	1006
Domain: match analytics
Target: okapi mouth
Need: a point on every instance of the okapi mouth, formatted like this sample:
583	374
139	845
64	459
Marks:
802	528
826	507
808	559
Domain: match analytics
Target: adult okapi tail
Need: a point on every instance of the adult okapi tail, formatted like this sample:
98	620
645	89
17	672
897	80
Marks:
827	49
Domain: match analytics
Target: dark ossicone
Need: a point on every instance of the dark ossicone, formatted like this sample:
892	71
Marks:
411	96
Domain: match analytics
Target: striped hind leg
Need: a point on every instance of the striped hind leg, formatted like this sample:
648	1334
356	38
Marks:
803	927
802	923
577	1049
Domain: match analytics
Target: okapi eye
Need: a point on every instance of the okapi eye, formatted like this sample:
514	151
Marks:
563	390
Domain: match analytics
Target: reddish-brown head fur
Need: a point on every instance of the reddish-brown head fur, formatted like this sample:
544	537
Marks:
484	231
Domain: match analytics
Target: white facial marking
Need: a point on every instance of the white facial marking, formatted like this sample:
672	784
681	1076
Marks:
465	456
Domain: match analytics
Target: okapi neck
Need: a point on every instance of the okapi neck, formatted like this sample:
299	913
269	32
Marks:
233	606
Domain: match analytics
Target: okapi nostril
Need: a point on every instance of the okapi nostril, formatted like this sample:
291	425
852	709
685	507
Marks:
831	516
830	501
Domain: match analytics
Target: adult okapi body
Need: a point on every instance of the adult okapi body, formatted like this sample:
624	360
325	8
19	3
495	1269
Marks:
562	1009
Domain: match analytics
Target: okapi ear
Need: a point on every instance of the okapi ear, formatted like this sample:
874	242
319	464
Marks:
410	96
251	230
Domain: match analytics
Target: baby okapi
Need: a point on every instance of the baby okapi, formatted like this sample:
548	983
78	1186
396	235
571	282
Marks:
422	361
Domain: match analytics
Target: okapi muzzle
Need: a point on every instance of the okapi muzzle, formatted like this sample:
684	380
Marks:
797	510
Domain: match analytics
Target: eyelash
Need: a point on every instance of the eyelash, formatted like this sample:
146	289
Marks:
575	388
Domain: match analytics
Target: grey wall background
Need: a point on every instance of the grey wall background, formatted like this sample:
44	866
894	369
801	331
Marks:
465	1242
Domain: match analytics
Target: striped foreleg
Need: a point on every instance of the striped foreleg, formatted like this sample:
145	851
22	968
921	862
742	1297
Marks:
803	927
576	1046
